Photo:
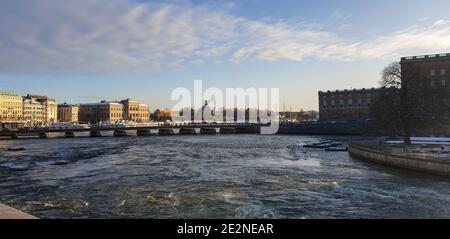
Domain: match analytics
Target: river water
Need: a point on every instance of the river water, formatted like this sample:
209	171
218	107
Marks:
223	176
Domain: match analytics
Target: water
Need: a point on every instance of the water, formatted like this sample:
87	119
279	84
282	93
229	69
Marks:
224	176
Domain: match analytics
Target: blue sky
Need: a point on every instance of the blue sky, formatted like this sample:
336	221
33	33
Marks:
86	51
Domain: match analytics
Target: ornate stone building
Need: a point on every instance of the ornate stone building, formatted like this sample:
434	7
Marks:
11	110
143	113
351	104
50	107
134	111
104	111
33	112
427	79
114	111
433	70
68	113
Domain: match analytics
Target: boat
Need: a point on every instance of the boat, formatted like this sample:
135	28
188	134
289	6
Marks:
15	149
322	145
337	149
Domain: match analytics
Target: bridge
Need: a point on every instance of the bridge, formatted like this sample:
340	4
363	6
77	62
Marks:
144	130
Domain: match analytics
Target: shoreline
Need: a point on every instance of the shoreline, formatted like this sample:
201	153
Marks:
424	164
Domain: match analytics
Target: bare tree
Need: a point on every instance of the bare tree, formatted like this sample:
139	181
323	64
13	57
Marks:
386	112
395	108
413	103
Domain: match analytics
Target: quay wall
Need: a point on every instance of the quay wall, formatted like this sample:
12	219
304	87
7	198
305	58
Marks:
426	165
337	128
7	212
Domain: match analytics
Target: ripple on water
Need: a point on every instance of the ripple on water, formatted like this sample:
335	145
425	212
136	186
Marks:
224	176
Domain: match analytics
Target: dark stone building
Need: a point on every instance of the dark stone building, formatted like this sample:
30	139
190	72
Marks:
344	105
427	80
433	69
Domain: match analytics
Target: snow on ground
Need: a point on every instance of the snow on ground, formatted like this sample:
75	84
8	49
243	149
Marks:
424	141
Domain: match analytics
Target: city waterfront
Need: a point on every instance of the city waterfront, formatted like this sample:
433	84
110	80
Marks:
221	176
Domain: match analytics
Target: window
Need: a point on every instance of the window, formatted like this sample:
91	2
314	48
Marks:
433	72
432	83
443	83
442	72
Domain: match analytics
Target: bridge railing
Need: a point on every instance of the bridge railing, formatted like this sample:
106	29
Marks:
130	127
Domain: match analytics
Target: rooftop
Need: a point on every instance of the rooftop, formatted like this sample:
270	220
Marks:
101	103
8	93
373	89
426	57
129	100
66	105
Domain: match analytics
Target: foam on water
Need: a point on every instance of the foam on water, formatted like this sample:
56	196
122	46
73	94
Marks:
222	176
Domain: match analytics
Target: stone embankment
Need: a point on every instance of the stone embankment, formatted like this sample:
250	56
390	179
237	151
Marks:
438	164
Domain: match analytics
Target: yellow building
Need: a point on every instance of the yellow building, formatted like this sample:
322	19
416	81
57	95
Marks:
67	113
33	112
134	111
100	112
143	113
11	110
50	107
51	111
107	111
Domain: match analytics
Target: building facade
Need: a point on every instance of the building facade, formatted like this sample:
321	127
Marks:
68	113
427	78
433	70
134	111
130	109
143	113
100	112
351	104
162	115
50	107
33	112
11	110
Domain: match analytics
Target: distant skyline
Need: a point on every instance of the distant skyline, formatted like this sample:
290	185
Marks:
80	51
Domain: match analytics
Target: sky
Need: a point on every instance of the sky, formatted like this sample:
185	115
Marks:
80	51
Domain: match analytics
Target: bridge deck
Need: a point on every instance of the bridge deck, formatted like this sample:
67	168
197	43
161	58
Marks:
35	131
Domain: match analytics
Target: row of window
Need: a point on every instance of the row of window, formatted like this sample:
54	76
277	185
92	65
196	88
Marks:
433	83
10	110
33	117
12	103
433	72
350	101
138	115
351	95
11	98
349	105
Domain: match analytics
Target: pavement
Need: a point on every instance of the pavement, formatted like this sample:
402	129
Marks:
7	212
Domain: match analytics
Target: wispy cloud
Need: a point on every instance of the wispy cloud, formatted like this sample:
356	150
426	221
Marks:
229	4
122	35
284	42
341	16
99	36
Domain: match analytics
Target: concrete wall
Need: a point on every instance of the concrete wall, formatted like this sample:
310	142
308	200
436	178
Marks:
434	166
